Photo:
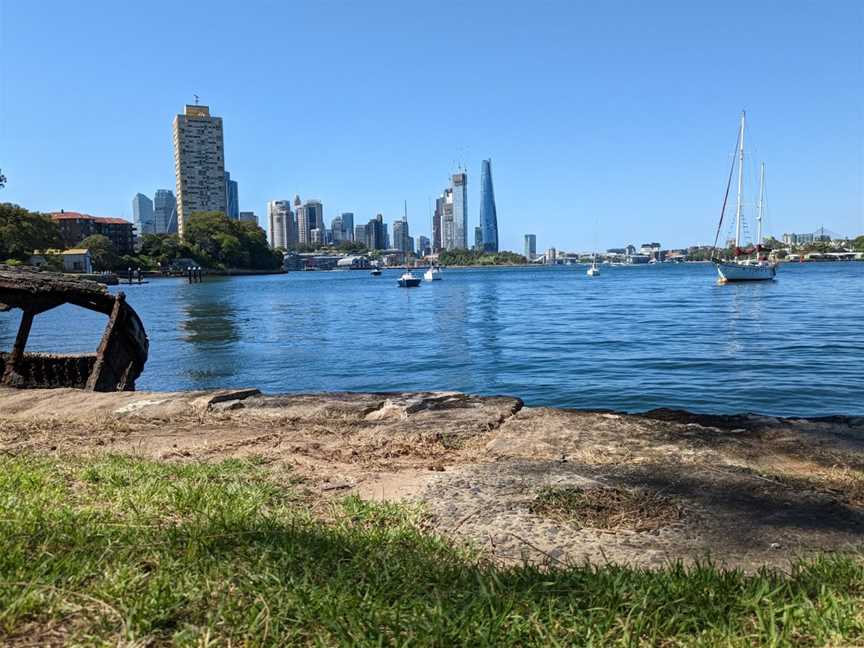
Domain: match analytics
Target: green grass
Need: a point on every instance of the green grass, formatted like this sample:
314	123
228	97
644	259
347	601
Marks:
116	550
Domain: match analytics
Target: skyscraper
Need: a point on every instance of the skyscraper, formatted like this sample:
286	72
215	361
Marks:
401	237
281	220
310	215
248	217
488	212
460	211
337	229
142	215
232	198
348	225
199	163
530	246
165	212
360	235
376	233
478	239
424	246
437	235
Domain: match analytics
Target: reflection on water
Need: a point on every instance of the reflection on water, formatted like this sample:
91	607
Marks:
209	322
632	339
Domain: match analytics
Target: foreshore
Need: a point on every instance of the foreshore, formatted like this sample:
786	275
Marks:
514	482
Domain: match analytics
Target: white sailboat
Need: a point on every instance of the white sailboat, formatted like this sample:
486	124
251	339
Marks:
593	271
432	274
742	267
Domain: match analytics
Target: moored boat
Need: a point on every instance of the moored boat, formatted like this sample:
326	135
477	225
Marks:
743	266
409	280
432	274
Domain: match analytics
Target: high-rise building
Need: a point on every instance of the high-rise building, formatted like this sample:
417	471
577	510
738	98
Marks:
401	237
360	235
376	234
460	211
281	219
478	239
450	223
530	246
424	246
317	236
165	212
437	239
348	225
248	217
142	215
310	215
488	212
446	226
199	163
232	198
337	230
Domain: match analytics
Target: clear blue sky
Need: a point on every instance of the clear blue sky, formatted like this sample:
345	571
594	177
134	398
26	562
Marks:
606	121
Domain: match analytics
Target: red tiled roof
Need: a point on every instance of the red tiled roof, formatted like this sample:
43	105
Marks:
107	220
68	215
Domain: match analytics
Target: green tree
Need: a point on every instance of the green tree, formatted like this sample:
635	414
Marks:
352	247
103	256
22	232
216	240
476	257
858	244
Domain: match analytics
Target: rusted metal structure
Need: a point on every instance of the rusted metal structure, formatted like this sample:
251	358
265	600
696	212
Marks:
122	352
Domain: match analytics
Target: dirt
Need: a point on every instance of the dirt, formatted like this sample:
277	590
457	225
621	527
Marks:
519	483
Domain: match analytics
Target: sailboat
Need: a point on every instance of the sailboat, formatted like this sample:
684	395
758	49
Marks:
593	271
432	274
743	267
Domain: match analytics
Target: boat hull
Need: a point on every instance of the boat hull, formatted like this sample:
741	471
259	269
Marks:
409	283
735	272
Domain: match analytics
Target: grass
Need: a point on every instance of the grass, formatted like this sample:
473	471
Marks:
121	551
607	508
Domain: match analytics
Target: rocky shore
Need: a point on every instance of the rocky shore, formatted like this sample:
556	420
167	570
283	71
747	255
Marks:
520	483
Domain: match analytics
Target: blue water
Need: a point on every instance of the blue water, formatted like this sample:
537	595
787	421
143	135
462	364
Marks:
633	339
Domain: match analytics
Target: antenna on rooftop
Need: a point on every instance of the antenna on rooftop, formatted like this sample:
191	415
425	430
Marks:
196	99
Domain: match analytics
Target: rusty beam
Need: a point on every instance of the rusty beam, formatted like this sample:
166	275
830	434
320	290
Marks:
11	375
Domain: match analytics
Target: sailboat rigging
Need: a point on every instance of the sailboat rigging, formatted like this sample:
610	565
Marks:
742	267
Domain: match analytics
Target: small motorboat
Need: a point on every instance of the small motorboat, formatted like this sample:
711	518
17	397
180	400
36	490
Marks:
376	272
408	280
593	271
432	274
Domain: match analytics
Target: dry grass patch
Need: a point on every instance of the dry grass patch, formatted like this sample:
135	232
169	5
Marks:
607	508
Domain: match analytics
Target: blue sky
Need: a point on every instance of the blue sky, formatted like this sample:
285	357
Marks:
607	122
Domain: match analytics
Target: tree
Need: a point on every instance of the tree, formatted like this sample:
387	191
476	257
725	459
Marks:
2	179
858	244
216	240
352	247
477	257
22	232
103	256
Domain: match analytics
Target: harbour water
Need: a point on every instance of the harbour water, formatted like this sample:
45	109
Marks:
633	339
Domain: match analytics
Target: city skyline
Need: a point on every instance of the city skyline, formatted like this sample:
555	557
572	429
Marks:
629	128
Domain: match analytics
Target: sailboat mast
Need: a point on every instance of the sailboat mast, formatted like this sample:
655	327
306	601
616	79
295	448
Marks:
740	183
759	210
